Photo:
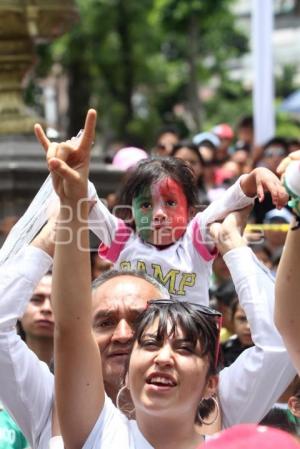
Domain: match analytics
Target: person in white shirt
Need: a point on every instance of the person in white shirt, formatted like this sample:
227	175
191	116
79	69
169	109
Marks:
26	384
166	357
37	323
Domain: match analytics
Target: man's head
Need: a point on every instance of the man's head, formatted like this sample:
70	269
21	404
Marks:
38	320
118	298
274	151
167	137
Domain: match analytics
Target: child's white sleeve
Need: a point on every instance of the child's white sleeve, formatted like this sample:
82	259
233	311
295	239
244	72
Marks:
232	199
103	223
252	384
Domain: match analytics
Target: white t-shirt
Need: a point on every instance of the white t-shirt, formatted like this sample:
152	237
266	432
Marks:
111	431
114	431
184	267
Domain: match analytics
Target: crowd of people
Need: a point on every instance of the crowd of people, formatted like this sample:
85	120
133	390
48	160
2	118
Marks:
175	339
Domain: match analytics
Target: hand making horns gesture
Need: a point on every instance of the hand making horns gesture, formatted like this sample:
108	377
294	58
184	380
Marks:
68	161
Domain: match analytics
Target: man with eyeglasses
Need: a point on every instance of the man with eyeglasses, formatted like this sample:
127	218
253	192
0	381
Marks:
274	151
27	386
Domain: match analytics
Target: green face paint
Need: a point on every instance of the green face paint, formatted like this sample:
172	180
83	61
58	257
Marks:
142	212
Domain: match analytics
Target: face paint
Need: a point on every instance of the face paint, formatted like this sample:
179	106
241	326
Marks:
142	212
161	215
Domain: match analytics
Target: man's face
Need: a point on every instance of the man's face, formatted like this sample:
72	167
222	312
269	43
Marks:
272	156
116	305
38	319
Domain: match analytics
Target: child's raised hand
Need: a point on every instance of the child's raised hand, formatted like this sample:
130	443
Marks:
262	180
267	181
68	161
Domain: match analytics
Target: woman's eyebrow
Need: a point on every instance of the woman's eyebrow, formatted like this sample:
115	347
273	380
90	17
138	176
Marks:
149	335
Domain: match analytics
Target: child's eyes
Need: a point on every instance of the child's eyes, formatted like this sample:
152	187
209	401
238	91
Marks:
146	205
171	203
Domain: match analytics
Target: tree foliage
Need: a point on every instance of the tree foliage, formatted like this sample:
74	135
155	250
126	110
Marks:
142	63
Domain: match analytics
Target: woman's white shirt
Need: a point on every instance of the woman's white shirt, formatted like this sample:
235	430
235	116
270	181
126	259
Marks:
113	430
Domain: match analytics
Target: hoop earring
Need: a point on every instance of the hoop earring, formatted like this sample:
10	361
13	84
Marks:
127	412
120	392
210	423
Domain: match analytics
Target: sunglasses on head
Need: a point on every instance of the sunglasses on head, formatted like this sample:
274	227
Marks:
205	310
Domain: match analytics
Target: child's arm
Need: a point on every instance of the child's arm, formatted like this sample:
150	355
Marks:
241	194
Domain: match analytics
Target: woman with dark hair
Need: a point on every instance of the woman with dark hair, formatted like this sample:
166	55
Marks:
171	370
188	152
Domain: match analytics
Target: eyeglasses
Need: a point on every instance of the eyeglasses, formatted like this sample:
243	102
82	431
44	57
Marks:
205	310
274	152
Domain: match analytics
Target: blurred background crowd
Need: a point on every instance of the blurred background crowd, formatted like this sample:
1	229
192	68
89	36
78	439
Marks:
169	78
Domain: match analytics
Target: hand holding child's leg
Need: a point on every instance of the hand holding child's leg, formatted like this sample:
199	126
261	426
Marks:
229	234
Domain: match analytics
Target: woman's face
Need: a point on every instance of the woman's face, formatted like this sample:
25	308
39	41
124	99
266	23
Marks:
168	378
191	159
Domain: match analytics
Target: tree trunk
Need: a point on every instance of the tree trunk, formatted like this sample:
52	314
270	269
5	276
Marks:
194	103
79	96
297	7
127	88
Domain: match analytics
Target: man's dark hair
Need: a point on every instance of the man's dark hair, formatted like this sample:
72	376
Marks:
278	141
246	122
278	418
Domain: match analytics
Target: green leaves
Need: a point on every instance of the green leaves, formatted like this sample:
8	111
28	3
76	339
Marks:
140	61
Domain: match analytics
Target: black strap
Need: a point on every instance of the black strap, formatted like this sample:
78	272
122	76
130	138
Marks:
297	224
